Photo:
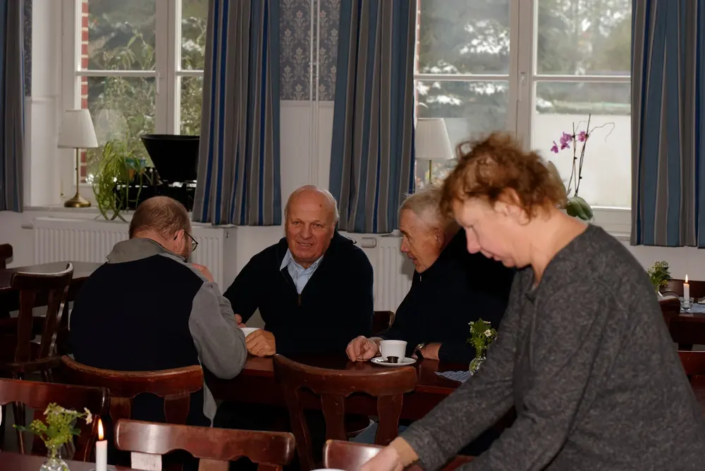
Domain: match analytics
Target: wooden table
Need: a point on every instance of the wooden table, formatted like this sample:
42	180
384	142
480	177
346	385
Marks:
256	385
15	462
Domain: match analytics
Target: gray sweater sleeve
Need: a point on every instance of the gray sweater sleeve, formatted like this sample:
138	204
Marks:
220	343
474	406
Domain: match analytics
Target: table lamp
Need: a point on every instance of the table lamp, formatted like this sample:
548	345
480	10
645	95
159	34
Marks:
432	142
77	132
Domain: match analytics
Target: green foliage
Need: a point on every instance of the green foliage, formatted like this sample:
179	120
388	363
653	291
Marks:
659	275
117	168
59	426
577	207
481	336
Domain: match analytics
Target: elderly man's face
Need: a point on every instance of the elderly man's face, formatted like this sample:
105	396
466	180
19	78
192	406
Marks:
310	224
421	242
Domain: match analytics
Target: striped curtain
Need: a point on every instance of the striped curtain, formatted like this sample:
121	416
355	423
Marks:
11	104
668	123
372	155
238	168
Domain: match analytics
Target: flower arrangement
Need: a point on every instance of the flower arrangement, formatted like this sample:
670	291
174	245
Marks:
57	431
659	275
576	206
481	337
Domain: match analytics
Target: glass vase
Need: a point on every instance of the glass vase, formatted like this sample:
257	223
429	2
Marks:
54	461
476	363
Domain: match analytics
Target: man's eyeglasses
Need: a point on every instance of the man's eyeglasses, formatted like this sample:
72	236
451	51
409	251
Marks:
194	242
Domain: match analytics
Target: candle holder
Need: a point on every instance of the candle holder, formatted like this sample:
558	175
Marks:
686	304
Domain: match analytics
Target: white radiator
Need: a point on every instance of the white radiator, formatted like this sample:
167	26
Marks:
393	271
88	240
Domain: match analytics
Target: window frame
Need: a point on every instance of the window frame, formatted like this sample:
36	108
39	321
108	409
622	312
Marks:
167	72
523	80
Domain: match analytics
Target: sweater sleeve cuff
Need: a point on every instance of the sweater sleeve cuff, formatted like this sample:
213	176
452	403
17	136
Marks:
406	453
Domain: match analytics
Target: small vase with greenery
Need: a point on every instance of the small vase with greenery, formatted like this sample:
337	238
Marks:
481	337
57	430
659	276
118	167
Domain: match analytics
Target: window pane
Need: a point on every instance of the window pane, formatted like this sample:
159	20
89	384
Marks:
469	108
120	35
194	17
579	37
463	36
191	100
607	163
122	109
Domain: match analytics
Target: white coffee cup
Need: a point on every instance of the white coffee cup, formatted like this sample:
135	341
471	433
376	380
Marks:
248	330
393	348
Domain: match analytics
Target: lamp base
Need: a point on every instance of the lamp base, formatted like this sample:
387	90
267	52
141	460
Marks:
77	201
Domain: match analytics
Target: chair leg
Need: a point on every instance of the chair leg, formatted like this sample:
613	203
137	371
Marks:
3	424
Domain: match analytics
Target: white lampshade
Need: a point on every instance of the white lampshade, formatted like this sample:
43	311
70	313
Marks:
76	131
432	142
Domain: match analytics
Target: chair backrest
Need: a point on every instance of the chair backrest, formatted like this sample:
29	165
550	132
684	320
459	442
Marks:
349	456
29	357
215	447
333	386
5	255
693	363
39	395
175	386
382	321
697	288
670	308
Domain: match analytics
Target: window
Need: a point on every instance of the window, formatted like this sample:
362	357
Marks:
140	69
533	70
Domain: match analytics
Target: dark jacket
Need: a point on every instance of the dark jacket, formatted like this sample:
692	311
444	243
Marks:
335	306
457	289
148	310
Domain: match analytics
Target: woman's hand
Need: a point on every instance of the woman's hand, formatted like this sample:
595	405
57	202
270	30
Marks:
387	460
362	349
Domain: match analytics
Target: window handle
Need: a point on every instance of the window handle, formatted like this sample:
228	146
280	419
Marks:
522	84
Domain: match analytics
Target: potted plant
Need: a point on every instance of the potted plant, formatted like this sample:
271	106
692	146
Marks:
118	168
481	337
659	276
57	430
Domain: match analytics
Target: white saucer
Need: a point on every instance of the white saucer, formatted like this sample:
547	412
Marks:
405	362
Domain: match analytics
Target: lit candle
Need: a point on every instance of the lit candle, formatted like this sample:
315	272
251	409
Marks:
101	450
686	291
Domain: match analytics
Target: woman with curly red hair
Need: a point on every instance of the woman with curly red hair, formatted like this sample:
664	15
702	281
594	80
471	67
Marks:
583	354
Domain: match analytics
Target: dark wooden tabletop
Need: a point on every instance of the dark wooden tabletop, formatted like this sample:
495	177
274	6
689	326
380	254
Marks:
81	271
15	462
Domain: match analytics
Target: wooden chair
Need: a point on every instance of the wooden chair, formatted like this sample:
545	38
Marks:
349	456
670	308
175	386
18	354
39	395
382	321
333	386
5	255
215	447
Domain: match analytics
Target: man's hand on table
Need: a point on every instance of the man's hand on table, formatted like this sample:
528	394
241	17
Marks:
386	460
430	351
362	349
261	343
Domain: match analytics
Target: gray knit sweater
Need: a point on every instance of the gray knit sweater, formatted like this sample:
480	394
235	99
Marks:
586	360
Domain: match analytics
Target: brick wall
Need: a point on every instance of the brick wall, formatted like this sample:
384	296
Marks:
84	80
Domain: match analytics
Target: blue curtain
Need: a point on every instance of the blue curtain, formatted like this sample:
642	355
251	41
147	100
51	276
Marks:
372	155
11	104
668	123
238	169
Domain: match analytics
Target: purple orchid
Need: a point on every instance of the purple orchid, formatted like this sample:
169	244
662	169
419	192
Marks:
555	147
582	137
565	140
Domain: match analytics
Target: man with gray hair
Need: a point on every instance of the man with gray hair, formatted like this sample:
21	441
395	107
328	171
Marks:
313	288
451	287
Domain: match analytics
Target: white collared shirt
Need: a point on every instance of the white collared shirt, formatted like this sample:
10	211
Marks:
299	274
